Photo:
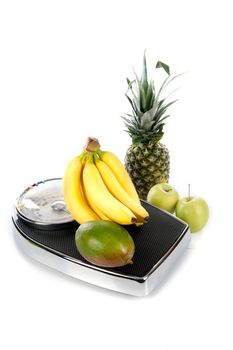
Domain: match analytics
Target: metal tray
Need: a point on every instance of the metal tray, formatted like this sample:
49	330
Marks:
158	243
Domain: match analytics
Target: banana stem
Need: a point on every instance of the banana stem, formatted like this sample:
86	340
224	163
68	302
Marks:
92	145
91	157
100	154
95	158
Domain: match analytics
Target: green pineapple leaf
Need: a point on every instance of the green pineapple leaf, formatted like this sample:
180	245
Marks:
134	106
144	81
130	83
167	81
149	106
163	109
141	93
136	99
130	101
149	96
160	123
126	120
160	64
142	100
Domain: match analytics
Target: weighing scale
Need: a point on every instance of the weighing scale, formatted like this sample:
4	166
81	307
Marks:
45	231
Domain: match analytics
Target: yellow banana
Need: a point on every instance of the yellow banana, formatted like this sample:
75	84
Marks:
94	208
99	196
117	191
73	196
120	173
99	213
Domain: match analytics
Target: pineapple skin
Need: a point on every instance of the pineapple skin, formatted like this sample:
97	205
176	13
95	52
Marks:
147	164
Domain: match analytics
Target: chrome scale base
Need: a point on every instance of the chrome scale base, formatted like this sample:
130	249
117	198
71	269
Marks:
157	245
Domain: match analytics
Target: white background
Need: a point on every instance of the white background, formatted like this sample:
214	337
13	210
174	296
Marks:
62	78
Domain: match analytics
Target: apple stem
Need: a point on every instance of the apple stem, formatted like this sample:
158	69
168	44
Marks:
189	192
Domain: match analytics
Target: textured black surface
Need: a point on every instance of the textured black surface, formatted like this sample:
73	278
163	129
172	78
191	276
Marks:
152	240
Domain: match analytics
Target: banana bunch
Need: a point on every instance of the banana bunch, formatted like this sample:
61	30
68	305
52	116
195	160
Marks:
96	186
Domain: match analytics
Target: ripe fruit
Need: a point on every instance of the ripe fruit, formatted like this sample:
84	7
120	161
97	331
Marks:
147	160
117	191
119	172
194	211
98	195
96	186
163	196
104	243
73	195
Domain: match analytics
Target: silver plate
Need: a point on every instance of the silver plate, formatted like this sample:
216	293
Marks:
43	204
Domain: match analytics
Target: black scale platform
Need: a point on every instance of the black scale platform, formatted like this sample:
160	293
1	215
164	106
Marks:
152	240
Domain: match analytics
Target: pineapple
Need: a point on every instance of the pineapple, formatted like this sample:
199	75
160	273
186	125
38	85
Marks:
147	159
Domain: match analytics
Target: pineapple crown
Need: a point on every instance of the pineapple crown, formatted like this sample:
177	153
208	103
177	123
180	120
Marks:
148	109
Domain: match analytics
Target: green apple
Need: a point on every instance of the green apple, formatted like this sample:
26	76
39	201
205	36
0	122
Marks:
194	211
163	196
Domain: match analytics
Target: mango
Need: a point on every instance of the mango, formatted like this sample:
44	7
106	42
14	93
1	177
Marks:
104	243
